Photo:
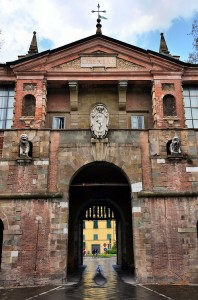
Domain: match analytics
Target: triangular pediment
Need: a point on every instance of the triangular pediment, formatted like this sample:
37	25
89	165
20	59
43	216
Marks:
95	53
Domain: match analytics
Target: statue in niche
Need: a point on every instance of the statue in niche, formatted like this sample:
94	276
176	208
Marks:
175	146
24	146
99	121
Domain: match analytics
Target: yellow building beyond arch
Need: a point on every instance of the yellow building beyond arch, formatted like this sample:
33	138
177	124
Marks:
99	234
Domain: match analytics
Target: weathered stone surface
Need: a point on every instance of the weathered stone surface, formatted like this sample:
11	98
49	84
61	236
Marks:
153	192
36	231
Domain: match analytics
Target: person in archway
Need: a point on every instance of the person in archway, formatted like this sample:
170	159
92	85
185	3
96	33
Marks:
96	252
93	252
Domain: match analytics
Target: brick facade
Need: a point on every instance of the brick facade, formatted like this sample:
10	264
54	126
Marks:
157	199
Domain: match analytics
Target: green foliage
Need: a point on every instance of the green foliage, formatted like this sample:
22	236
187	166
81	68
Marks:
113	250
193	57
105	255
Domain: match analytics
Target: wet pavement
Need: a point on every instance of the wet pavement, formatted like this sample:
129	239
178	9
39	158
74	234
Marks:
101	281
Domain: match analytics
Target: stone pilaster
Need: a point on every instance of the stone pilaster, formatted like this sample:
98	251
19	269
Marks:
44	102
154	105
122	88
73	87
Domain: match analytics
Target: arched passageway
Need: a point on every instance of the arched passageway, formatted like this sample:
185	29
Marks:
100	191
1	240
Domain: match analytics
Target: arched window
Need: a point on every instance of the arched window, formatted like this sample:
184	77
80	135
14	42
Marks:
1	240
29	105
169	105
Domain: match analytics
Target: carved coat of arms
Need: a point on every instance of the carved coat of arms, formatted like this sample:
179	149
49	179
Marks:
99	121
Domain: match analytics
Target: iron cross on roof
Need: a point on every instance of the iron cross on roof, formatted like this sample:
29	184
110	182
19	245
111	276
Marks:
98	11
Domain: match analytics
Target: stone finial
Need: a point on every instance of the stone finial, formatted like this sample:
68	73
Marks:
98	26
163	46
33	46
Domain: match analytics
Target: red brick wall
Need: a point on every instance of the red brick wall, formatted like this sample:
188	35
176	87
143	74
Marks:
177	93
38	93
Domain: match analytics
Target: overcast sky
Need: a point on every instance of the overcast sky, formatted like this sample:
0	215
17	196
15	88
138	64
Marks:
59	22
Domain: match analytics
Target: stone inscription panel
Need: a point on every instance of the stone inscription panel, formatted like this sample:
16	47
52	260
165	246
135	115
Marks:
98	61
29	86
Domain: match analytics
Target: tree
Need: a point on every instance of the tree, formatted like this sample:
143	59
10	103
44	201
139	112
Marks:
193	57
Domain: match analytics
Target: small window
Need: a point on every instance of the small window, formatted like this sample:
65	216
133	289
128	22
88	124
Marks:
108	223
83	237
137	122
191	106
1	240
6	107
109	237
58	122
95	224
169	105
109	246
29	105
95	237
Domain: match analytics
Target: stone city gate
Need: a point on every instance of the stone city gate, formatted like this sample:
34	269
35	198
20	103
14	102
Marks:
99	191
76	171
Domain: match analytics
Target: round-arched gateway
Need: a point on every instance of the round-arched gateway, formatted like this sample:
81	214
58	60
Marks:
100	191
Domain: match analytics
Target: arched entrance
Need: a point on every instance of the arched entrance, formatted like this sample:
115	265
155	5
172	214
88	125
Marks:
100	188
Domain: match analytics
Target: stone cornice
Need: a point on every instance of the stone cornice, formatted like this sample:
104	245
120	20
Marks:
31	196
168	194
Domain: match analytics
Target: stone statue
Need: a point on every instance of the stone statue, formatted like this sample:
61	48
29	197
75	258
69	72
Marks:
99	121
175	146
24	146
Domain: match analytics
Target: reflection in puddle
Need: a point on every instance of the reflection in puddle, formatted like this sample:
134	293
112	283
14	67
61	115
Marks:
99	277
99	284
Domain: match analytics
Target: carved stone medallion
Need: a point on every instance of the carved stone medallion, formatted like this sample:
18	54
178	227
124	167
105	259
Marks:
99	121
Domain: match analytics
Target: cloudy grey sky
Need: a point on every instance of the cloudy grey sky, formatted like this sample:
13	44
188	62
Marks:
59	22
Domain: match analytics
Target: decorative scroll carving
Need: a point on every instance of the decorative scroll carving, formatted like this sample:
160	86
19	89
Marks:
70	65
127	65
99	121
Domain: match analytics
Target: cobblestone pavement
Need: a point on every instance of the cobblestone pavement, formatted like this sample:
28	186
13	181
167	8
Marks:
100	281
